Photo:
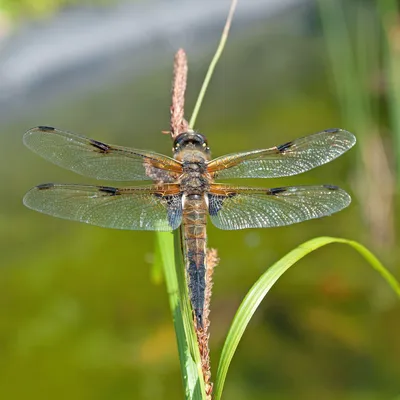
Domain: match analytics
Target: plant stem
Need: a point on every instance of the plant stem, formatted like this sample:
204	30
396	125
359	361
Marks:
213	64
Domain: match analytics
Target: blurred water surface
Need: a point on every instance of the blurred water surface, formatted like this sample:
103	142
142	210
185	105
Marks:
82	317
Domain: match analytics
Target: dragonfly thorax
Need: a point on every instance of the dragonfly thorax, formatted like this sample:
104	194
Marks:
194	179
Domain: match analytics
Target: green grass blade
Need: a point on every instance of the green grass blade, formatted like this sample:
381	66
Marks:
264	284
169	253
213	64
388	11
344	62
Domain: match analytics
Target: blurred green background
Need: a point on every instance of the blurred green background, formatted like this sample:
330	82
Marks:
82	316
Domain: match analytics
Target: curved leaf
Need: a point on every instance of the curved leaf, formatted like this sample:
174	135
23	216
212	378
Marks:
257	293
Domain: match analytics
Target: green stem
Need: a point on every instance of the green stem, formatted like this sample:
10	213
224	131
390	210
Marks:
388	12
213	64
170	255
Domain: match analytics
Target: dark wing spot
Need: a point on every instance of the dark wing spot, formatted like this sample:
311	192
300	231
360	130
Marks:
283	147
45	186
331	187
109	190
100	146
46	128
332	130
276	190
174	208
216	202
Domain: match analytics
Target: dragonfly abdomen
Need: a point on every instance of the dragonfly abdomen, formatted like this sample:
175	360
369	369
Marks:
195	243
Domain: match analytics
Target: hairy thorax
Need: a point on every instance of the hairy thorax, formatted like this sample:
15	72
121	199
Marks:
195	180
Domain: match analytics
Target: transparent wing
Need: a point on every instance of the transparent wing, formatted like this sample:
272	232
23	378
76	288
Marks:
134	208
99	160
233	208
287	159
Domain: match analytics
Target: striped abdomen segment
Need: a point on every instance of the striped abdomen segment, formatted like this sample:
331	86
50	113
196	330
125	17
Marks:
194	244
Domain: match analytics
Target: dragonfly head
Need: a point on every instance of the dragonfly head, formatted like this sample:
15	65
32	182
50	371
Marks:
191	141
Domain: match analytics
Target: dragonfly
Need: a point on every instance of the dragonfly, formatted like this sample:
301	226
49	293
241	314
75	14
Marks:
184	190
